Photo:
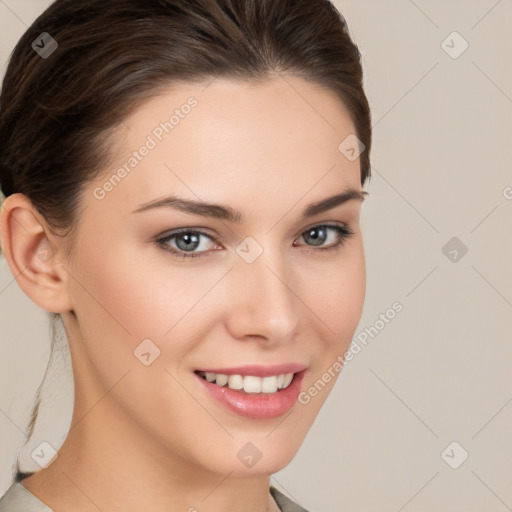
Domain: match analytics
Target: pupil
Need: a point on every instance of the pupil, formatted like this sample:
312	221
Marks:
189	240
316	238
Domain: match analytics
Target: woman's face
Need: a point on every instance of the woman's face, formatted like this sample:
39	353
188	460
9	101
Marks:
257	286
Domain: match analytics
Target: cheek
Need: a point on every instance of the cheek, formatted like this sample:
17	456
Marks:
351	291
336	295
339	307
129	295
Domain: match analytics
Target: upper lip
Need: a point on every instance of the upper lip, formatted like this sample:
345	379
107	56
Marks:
257	370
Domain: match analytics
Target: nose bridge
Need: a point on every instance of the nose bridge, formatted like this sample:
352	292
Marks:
263	300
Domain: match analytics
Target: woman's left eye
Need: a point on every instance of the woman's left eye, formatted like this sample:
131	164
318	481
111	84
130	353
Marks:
319	234
186	240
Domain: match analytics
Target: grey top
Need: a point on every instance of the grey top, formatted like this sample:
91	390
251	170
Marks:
19	499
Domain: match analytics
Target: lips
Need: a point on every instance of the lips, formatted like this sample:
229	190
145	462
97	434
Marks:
254	391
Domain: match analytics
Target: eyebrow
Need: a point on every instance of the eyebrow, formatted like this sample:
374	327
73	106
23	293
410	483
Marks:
229	214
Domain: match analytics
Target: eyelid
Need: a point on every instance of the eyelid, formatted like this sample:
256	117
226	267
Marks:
325	223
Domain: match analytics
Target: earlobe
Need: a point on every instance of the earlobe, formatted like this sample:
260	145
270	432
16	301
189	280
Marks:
31	255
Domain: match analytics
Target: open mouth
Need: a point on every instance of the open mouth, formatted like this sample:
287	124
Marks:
249	383
269	394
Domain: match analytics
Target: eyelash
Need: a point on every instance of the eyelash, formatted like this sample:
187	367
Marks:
343	231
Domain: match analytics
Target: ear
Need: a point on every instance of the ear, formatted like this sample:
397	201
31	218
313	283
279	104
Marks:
32	254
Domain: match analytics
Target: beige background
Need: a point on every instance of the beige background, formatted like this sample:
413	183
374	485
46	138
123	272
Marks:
440	371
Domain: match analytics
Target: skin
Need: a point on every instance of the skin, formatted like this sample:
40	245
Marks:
151	432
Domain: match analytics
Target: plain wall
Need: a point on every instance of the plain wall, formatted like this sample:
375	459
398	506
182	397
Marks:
440	371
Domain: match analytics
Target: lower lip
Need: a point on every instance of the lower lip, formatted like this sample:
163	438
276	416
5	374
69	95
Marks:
256	405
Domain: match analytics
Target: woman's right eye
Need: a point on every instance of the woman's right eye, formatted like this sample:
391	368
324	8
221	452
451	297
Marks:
185	242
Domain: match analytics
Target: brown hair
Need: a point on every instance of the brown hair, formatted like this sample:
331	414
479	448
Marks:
58	114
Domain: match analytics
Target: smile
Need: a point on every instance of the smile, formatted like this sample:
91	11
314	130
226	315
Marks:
254	391
250	383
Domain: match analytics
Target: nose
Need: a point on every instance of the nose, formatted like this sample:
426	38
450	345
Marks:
263	304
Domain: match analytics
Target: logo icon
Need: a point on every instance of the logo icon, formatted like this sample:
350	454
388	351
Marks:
351	147
454	455
44	454
454	45
249	455
249	250
146	352
454	250
44	45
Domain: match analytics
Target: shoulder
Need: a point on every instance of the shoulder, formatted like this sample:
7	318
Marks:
283	502
19	499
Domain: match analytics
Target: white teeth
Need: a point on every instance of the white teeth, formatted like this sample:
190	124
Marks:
235	382
287	379
221	379
269	384
250	383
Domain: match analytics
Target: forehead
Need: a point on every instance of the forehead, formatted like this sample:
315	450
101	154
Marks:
231	141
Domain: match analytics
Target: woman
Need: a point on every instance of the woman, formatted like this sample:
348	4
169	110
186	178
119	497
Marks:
183	185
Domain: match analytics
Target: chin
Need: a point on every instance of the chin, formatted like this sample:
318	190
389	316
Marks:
263	454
